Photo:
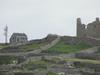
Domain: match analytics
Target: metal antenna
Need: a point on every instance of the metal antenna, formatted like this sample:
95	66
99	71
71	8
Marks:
6	34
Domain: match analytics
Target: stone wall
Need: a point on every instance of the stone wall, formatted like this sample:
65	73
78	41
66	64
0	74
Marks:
88	56
89	68
80	28
86	73
91	29
76	40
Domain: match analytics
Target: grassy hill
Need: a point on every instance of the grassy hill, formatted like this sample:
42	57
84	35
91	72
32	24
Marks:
65	45
62	47
31	45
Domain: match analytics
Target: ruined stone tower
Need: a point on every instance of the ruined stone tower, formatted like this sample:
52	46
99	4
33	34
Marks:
92	29
80	28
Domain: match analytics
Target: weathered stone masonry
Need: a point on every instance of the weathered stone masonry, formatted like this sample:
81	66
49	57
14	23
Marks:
90	30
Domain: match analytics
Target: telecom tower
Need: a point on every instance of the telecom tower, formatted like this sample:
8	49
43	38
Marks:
6	34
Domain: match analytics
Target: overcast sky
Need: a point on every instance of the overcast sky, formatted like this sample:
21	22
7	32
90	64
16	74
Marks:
37	18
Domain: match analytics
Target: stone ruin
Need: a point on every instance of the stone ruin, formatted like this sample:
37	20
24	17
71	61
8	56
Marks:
90	30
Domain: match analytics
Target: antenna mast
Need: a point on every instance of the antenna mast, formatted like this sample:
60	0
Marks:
6	34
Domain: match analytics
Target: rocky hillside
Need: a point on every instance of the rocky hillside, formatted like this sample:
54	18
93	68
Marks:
31	45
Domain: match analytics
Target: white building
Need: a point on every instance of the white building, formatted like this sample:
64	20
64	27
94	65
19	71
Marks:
18	38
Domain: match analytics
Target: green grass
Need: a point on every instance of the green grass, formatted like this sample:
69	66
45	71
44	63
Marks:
43	64
61	47
25	48
83	60
51	73
3	46
7	59
23	74
30	47
36	64
98	52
